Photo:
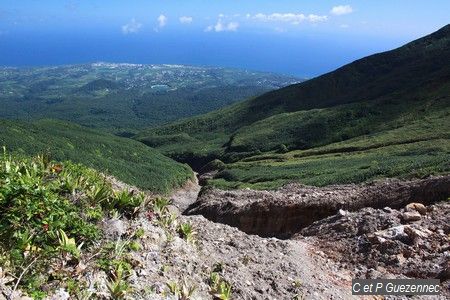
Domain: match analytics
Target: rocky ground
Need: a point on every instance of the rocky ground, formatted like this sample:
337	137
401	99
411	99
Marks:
385	229
409	239
412	242
256	268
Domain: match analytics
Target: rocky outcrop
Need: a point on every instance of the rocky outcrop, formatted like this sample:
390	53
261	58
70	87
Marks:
379	241
286	211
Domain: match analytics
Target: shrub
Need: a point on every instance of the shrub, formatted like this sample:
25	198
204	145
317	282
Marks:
282	148
186	230
40	219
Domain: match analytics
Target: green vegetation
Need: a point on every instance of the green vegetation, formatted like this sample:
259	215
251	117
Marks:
220	288
386	115
186	230
123	98
51	231
181	291
45	219
129	161
402	160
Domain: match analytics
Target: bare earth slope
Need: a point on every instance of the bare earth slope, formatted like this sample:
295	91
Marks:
285	211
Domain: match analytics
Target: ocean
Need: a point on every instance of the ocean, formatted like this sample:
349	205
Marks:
305	56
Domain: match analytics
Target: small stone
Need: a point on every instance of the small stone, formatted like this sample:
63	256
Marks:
411	216
115	228
80	268
375	239
401	259
342	213
60	294
387	209
445	273
419	207
417	233
393	233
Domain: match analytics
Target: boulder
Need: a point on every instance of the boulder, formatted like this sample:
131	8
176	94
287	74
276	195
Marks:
411	216
419	207
393	233
417	233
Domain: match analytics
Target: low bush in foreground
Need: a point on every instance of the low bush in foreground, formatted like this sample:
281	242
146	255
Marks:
49	214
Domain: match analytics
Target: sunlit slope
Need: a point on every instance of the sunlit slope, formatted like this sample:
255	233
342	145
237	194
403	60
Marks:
379	92
398	100
128	160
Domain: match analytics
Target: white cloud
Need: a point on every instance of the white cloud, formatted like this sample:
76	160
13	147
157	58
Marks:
341	10
316	18
289	18
162	21
132	27
232	26
221	26
186	20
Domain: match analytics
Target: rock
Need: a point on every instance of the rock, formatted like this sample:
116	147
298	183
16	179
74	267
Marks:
419	207
387	209
401	259
375	239
60	294
394	233
445	273
417	233
411	216
80	268
114	228
342	213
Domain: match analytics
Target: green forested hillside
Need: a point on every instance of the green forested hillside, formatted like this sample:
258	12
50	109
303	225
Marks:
128	160
123	98
399	98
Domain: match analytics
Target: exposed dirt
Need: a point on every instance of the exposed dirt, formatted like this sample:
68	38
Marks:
187	195
257	268
286	211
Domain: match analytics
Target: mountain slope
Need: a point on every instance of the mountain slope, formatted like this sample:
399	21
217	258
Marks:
371	96
126	159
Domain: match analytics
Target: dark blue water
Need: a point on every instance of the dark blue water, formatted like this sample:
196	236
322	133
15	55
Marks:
304	56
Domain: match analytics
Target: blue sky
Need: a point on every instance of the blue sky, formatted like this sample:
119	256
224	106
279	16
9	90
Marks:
301	37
